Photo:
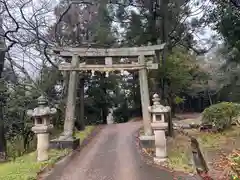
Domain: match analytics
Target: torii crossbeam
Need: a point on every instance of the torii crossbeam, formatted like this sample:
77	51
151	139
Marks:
88	54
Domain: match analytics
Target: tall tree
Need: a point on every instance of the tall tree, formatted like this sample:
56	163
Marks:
2	95
224	18
86	25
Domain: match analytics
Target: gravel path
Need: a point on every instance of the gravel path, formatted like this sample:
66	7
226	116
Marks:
112	155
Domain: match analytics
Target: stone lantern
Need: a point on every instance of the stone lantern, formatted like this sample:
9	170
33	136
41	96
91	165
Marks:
159	127
42	126
158	110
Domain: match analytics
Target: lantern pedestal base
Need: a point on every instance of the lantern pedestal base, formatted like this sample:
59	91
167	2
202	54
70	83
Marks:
65	144
147	141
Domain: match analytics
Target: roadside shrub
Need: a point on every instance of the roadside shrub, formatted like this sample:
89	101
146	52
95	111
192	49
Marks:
221	115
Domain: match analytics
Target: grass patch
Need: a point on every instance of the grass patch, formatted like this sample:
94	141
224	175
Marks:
233	132
215	140
26	167
84	134
179	149
16	148
209	140
179	155
179	160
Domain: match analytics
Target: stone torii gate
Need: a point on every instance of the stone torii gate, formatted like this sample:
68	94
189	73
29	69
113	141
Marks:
89	57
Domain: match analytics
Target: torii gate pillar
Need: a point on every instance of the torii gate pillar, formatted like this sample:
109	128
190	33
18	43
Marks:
66	139
145	100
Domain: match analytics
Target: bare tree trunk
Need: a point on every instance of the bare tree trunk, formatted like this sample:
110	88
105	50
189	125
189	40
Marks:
164	8
169	117
2	129
136	95
104	108
170	124
80	124
156	29
3	147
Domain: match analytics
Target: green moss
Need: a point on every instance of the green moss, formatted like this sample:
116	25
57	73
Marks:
84	134
26	167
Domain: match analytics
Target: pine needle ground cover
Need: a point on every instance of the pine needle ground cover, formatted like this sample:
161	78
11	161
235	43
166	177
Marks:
27	168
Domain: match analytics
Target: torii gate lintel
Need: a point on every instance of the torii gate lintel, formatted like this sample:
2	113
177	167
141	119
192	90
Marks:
108	54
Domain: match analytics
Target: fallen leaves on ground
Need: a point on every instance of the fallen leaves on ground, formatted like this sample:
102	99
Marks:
228	164
149	151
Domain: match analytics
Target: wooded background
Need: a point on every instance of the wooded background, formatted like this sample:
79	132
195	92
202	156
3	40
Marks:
194	72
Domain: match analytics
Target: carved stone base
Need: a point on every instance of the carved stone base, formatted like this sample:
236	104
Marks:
147	141
64	144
